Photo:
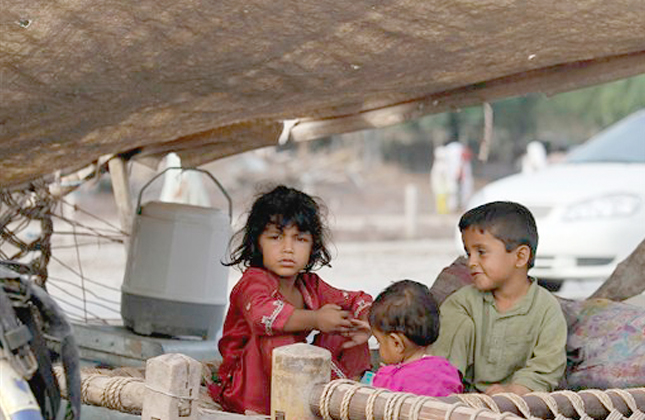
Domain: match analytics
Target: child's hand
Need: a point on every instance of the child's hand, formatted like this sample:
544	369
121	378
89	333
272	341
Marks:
360	333
331	318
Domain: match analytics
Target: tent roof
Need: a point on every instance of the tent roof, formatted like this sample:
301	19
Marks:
81	79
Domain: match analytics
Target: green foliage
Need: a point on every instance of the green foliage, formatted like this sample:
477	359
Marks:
598	106
562	120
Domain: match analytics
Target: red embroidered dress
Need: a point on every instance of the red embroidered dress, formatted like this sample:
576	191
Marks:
254	327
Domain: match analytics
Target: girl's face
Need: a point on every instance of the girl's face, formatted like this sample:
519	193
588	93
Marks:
285	252
389	347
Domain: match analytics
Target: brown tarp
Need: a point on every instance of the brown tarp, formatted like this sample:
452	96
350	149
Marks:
80	79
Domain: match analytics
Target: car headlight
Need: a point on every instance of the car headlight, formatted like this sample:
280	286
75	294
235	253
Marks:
617	205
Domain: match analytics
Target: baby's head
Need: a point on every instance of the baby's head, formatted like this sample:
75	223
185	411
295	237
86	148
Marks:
509	222
405	308
283	207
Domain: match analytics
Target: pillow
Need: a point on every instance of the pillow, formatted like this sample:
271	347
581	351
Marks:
605	346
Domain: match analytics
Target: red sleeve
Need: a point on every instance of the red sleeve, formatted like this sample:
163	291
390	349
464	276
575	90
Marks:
256	295
357	302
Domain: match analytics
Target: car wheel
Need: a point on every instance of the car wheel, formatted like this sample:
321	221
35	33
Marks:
552	285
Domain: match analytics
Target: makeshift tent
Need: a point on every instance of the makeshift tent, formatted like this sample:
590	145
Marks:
80	79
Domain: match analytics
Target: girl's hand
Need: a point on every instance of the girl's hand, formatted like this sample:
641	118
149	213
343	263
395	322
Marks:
331	318
360	333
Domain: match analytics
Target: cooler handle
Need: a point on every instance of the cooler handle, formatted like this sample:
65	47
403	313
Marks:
221	188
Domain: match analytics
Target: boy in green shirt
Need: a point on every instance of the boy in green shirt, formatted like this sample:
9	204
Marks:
505	333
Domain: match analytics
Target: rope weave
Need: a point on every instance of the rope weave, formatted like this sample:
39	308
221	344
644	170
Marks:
551	403
604	399
519	403
415	408
631	403
85	385
325	396
576	401
111	397
393	405
347	398
477	412
479	401
452	408
370	403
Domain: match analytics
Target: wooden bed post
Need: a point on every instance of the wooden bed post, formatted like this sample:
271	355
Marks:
296	368
172	388
122	195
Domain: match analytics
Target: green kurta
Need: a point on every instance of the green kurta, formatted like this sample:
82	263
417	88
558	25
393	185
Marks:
524	345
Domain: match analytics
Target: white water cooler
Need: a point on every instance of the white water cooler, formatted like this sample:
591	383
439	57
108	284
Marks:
175	283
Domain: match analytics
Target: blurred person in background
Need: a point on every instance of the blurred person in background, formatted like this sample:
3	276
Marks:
456	171
535	158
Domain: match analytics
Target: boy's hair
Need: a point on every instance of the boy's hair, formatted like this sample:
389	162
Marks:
407	307
282	207
510	222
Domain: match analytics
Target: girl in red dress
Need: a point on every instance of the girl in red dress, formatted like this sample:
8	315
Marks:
279	301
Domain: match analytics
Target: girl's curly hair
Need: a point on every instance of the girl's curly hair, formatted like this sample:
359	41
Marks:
282	206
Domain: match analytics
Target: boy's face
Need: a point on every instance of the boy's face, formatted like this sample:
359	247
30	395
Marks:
491	266
285	252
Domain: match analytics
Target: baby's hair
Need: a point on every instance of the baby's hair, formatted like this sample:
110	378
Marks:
282	207
407	307
510	222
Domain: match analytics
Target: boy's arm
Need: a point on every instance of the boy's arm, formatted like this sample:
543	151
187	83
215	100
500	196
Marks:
546	365
456	334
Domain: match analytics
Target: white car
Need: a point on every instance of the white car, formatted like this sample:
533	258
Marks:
589	209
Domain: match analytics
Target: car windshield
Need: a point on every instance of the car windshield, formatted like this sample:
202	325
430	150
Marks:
621	142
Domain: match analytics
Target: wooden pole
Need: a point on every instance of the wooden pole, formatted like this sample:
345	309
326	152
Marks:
411	211
172	388
432	409
114	392
122	195
593	407
438	407
296	369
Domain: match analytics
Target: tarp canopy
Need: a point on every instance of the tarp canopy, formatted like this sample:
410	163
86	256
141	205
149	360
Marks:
81	79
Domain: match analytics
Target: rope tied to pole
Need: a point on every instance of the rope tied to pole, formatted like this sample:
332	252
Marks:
519	403
347	398
479	401
477	412
417	405
630	402
371	401
604	399
551	403
325	396
111	397
393	405
452	408
576	401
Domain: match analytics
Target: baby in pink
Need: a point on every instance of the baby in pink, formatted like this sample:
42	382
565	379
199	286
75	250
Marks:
404	318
